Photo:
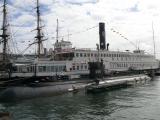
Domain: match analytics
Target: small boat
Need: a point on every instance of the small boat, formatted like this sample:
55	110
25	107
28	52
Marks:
74	89
5	116
94	88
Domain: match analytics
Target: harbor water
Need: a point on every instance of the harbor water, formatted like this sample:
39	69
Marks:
140	102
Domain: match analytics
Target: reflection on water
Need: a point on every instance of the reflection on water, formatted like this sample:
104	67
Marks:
134	103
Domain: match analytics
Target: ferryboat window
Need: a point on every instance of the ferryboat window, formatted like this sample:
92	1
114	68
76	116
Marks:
95	55
84	54
77	54
73	67
77	67
44	68
19	69
80	54
85	66
64	68
56	68
64	56
59	68
28	69
48	68
88	54
106	55
52	68
32	68
81	67
91	54
15	68
40	68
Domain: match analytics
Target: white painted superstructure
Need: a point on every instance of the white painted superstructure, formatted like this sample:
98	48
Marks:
70	61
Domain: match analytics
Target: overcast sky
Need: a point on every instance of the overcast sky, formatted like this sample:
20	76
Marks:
126	21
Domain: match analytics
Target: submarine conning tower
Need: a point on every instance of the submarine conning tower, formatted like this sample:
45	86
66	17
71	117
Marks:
102	36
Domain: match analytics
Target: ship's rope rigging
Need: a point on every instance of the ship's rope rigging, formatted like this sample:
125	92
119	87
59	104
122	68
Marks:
96	26
122	36
22	8
9	42
15	46
13	42
1	7
78	32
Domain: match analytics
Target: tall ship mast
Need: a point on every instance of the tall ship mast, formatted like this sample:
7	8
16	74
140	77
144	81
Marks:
153	40
39	36
4	35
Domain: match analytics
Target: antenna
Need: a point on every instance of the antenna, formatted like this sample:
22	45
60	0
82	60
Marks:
4	35
57	31
68	34
153	40
138	45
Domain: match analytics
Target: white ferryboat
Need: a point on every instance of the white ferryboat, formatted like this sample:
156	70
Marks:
72	62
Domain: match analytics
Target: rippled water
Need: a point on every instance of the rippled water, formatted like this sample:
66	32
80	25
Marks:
134	103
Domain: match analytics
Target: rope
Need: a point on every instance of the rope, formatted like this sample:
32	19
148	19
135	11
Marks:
26	49
122	36
78	32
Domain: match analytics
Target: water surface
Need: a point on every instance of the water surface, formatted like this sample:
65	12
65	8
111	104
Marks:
134	103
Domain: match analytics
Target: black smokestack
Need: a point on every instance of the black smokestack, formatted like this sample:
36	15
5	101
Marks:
102	36
107	46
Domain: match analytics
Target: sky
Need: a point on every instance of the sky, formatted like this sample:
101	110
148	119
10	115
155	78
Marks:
128	23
